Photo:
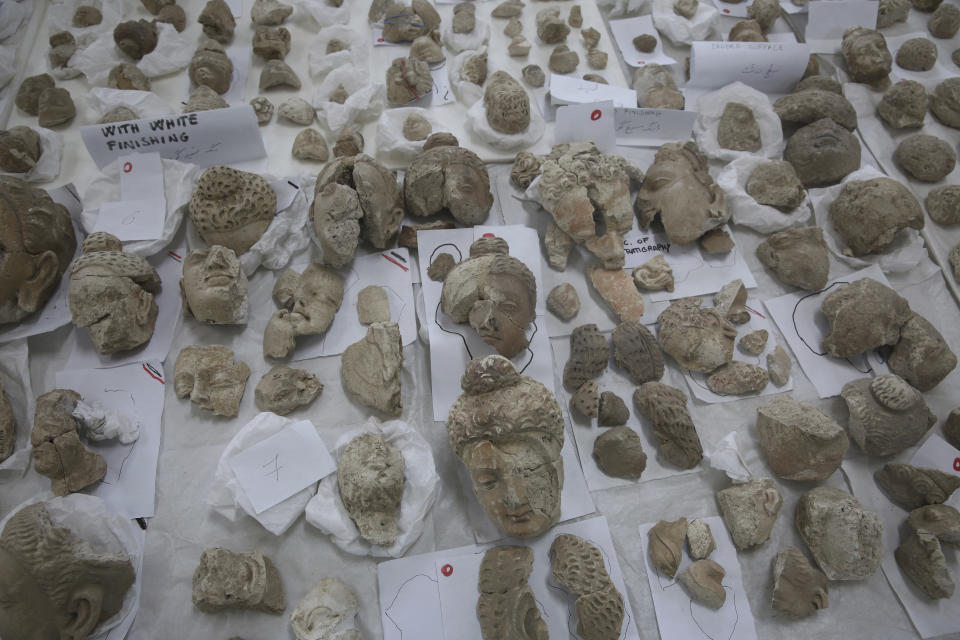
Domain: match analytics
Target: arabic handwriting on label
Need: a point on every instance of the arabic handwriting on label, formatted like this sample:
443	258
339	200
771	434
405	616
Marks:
765	72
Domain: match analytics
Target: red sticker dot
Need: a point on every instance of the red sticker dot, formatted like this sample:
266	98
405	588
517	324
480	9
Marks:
446	570
596	115
379	39
486	235
956	464
127	167
726	10
642	62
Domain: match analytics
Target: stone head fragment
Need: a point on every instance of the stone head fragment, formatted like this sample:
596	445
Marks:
579	567
797	256
373	366
214	287
327	612
666	545
822	153
370	476
507	607
211	67
704	582
211	379
698	338
799	441
226	579
799	588
448	178
58	452
844	538
887	415
284	389
308	302
868	214
232	208
863	315
866	54
915	487
750	511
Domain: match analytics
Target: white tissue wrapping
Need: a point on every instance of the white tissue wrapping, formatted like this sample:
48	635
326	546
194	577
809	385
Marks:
90	519
13	15
226	496
327	513
710	109
179	180
680	30
60	18
748	212
458	42
365	102
146	104
726	457
621	8
320	63
906	252
48	165
467	92
15	377
173	53
324	14
99	423
392	147
479	127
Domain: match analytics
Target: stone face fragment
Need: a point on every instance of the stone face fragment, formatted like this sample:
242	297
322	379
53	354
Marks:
284	389
586	399
922	356
750	510
945	21
799	441
616	288
269	12
704	582
579	567
844	538
136	38
822	153
656	88
28	95
666	545
666	408
213	287
589	354
271	43
211	379
563	60
887	415
448	178
754	342
941	520
310	145
868	214
943	204
204	99
904	105
811	105
738	129
612	411
921	559
507	103
55	107
211	67
373	305
327	612
407	79
698	338
264	109
737	378
917	54
914	487
512	424
925	158
370	476
716	241
645	43
654	275
277	73
635	349
232	208
619	453
308	304
775	183
533	75
20	149
700	542
945	102
58	452
685	8
217	20
507	607
863	315
128	76
372	368
563	301
866	54
799	588
428	49
225	580
892	12
798	256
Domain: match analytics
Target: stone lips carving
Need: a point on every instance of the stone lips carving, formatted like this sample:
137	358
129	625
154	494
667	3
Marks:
111	293
508	430
578	566
678	188
922	356
589	355
636	349
507	607
493	291
700	542
226	579
750	510
8	425
308	302
65	589
372	367
822	153
673	428
887	415
704	582
941	520
327	612
799	588
209	376
19	150
915	487
448	178
619	453
38	242
507	103
284	389
799	441
370	476
921	559
232	208
666	545
863	315
798	256
869	214
699	339
58	452
866	54
211	67
214	287
844	538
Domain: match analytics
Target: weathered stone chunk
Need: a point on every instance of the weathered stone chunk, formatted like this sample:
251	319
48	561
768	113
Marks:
20	149
700	542
507	104
868	214
373	305
372	368
127	76
945	102
775	183
327	612
750	511
798	256
271	43
654	275
563	60
951	428
217	20
563	301
666	545
579	567
613	411
844	538
173	14
699	339
904	105
211	67
448	178
277	73
269	12
533	75
136	38
284	389
589	355
925	158
619	453
737	378
799	441
86	16
921	559
204	99
310	145
914	487
210	378
738	129
922	356
799	588
941	520
945	21
228	580
704	582
586	399
943	204
28	95
58	452
645	43
892	12
778	366
407	79
636	350
616	288
811	105
754	342
666	408
863	315
371	478
822	153
55	107
887	415
917	54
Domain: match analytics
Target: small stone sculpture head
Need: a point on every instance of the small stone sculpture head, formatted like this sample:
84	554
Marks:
315	298
699	338
866	54
214	287
679	188
508	105
37	242
54	584
495	293
508	430
371	480
232	208
112	294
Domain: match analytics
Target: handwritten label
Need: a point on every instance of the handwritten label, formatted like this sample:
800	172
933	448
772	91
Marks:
566	90
218	136
828	21
442	94
593	122
132	219
652	127
277	467
771	67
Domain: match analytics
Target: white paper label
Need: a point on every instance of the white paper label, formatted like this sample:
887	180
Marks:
828	21
593	122
132	219
566	90
771	67
141	177
653	127
442	94
218	136
277	467
624	31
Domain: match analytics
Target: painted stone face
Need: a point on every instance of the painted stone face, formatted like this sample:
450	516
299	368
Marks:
507	429
214	287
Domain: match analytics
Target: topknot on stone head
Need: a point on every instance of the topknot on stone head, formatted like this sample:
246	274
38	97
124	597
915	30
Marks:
101	241
105	262
487	374
489	245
